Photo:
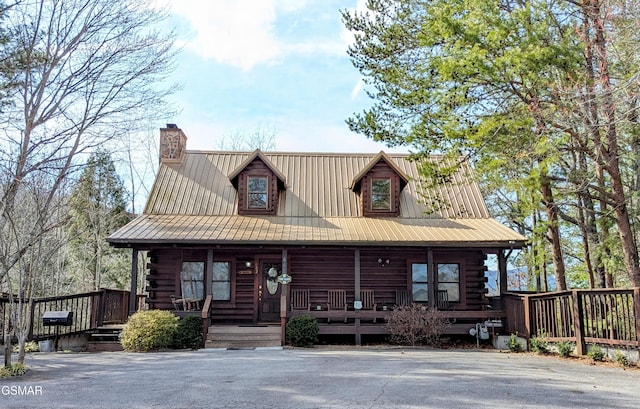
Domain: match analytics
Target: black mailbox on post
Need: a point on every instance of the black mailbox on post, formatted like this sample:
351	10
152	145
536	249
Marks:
55	318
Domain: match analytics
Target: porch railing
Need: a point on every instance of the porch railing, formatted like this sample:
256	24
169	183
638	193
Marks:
90	311
601	316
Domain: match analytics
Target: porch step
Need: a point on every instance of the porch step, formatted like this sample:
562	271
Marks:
105	338
245	336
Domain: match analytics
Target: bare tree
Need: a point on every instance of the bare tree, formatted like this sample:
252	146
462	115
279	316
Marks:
90	71
260	138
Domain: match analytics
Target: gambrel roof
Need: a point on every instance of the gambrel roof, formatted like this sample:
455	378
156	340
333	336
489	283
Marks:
195	202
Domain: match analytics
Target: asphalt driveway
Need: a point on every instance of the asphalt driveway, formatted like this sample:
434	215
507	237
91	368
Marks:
318	378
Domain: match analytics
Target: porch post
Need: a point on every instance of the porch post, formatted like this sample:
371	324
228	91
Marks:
578	323
133	295
431	278
356	262
284	294
208	273
502	275
356	272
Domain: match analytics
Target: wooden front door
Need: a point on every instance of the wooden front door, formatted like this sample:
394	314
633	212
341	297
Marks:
269	290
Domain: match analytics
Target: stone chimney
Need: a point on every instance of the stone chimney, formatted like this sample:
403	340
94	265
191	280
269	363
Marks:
173	144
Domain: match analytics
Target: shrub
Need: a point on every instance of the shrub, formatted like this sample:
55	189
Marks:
539	344
596	353
514	345
414	324
302	331
31	346
189	333
149	330
621	358
16	369
565	348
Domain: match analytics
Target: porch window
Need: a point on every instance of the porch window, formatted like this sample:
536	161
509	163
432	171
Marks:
449	280
192	280
257	192
381	194
221	281
419	282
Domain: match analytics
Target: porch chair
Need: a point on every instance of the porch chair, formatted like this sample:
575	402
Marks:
178	303
368	301
300	300
336	301
403	299
442	300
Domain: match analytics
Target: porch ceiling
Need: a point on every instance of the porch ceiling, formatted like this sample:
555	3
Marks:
190	229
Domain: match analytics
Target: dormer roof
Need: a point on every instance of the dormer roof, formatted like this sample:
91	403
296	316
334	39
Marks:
356	183
257	155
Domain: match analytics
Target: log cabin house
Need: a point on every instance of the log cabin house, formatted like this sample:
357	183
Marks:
253	238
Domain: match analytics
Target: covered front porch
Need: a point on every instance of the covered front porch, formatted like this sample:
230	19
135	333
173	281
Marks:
367	322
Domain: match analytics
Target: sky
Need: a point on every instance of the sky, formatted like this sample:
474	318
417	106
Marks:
280	66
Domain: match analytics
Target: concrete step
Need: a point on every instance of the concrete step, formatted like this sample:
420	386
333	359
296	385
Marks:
230	336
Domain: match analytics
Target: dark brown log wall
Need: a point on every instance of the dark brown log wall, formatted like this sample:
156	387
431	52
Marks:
317	270
163	278
321	270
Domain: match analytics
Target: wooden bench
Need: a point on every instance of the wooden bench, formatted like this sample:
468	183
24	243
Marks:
300	300
403	298
337	301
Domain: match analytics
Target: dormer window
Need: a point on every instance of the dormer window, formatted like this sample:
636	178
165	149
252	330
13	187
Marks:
257	192
259	184
380	185
381	194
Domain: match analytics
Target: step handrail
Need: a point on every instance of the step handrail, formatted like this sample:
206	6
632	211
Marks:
205	314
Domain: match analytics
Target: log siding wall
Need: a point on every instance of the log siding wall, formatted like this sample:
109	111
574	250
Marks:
316	270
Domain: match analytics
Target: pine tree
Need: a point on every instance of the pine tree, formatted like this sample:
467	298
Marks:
98	208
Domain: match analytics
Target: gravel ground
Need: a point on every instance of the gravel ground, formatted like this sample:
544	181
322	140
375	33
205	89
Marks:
328	377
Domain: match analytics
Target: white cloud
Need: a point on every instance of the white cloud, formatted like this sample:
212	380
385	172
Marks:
234	32
241	33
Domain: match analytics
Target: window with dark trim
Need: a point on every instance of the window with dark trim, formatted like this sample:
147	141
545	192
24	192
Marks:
192	280
449	280
221	281
257	192
419	282
381	194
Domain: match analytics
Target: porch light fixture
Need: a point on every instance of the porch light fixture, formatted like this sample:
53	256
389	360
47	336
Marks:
248	264
383	261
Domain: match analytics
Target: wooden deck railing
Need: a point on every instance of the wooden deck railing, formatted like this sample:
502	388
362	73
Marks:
90	311
609	317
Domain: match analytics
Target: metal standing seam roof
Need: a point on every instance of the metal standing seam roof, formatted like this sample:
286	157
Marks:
195	202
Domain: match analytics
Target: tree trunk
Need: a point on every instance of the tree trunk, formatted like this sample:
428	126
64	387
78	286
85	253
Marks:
553	230
610	160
